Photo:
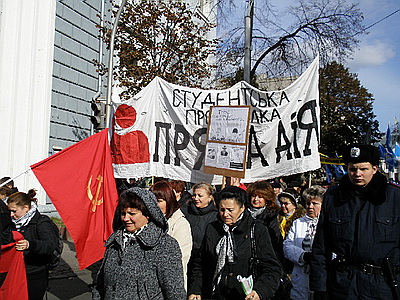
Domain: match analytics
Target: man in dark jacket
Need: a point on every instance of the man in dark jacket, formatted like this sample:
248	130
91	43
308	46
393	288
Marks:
358	233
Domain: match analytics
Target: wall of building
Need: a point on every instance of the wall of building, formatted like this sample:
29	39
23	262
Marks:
26	55
47	80
75	80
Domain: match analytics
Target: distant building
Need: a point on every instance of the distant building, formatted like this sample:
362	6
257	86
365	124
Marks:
274	84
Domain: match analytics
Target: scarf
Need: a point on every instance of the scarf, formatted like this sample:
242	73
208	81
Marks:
255	211
225	249
25	219
127	236
284	220
310	233
309	238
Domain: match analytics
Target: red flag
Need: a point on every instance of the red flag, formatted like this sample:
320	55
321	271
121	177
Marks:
12	263
80	182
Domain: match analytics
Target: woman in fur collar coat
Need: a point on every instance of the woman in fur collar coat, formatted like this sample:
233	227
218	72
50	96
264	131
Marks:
291	210
141	261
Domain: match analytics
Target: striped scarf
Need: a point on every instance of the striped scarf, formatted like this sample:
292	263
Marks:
25	219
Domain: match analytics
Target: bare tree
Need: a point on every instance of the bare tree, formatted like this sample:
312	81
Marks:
325	27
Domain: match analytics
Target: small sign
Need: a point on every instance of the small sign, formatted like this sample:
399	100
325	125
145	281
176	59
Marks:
227	139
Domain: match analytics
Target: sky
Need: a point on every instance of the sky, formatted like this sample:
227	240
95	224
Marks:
376	61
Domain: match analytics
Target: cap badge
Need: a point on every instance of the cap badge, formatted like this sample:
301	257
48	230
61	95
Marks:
355	152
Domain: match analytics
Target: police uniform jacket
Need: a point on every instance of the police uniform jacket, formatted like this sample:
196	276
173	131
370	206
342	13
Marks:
358	227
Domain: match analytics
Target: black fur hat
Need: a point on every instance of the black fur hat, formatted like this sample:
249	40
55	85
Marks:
358	153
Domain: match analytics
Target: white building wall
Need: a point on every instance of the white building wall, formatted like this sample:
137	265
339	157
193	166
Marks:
26	60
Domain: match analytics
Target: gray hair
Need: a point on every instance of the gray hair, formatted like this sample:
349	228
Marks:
315	191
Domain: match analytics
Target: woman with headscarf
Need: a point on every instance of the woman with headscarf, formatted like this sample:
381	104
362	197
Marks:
141	260
226	253
178	226
39	240
291	210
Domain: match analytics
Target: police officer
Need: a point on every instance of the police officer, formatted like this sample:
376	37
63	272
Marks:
356	252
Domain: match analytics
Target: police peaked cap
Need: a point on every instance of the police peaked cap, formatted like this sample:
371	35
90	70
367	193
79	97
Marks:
358	153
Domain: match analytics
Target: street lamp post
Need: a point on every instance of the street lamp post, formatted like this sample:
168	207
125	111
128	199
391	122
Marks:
111	63
248	37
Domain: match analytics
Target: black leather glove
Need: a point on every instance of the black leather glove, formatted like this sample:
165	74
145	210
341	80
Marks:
321	295
307	257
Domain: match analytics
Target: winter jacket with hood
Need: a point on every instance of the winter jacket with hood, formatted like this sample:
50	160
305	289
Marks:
148	267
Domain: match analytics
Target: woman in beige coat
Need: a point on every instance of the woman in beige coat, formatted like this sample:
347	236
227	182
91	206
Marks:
178	226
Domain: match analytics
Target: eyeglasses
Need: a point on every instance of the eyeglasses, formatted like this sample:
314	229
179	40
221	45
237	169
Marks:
285	203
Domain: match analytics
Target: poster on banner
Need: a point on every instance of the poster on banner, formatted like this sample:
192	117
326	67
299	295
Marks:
226	141
162	130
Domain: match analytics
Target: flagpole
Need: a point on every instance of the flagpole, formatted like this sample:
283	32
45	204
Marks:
11	179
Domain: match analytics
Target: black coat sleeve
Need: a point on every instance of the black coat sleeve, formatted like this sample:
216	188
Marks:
274	232
318	273
203	264
5	225
269	268
44	240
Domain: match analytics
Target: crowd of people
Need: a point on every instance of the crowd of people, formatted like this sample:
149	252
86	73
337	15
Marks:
174	241
236	232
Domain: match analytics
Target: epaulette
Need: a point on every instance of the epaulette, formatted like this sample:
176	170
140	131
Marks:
394	184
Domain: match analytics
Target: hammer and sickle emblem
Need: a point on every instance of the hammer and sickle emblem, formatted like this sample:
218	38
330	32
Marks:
95	200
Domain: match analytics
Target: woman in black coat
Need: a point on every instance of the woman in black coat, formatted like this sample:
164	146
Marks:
200	211
226	253
39	243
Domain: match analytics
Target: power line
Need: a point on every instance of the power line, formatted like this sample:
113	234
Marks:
377	22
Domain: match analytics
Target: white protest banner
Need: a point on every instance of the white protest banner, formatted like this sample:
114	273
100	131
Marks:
162	130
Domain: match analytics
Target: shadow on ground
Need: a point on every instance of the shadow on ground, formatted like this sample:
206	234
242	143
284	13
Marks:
67	281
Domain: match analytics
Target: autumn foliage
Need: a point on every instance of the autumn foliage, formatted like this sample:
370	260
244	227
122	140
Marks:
161	38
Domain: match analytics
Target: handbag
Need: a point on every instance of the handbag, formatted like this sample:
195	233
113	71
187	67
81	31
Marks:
254	261
285	284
